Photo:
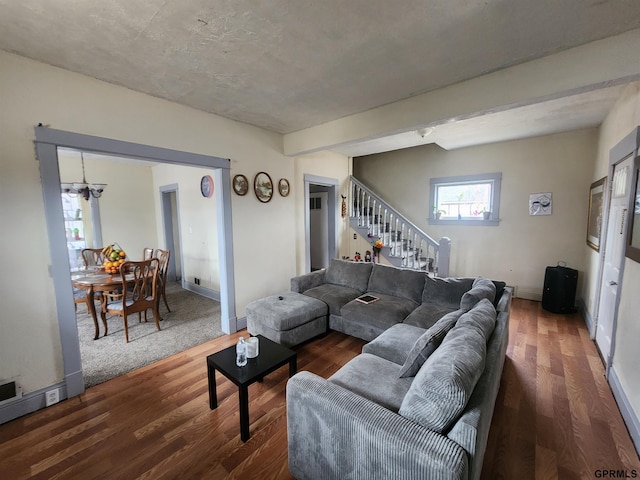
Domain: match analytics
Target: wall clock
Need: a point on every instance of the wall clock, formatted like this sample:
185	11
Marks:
206	186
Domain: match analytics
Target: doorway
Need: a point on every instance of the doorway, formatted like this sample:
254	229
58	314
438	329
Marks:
47	141
612	254
171	231
321	231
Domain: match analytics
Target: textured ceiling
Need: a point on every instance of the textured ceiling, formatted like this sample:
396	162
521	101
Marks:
285	65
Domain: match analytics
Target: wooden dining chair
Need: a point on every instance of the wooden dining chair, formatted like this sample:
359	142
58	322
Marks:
163	257
92	257
147	253
138	294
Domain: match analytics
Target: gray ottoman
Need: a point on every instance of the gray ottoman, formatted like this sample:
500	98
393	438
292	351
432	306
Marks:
290	321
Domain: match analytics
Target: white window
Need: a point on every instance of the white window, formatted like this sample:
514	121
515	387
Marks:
465	200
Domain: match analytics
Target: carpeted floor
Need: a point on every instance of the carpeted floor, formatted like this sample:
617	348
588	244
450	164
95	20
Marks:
193	320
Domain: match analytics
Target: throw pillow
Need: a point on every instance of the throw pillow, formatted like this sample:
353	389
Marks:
427	344
481	288
482	316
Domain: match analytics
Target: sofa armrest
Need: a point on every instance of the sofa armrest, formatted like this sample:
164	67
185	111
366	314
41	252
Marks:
334	433
504	304
302	283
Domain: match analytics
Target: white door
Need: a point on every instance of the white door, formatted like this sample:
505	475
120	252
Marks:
613	256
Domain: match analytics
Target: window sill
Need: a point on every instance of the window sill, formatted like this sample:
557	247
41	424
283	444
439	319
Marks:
464	222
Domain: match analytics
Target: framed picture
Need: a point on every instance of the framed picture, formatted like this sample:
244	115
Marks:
633	244
596	202
263	187
240	185
283	187
540	203
206	186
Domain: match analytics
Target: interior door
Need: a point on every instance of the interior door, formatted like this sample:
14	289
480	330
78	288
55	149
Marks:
613	256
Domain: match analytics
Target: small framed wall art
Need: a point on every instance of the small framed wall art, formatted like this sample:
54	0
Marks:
540	204
240	184
283	187
263	187
206	186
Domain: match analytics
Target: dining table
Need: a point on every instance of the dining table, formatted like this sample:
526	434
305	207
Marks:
95	280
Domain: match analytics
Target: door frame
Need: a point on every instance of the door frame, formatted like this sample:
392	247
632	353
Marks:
46	142
623	149
168	227
332	203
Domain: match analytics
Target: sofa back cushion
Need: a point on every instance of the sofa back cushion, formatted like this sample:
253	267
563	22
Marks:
482	316
481	288
348	274
445	291
427	343
441	389
397	282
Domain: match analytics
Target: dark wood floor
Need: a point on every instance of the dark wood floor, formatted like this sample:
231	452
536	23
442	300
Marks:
555	416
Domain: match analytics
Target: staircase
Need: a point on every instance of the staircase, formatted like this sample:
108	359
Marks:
405	245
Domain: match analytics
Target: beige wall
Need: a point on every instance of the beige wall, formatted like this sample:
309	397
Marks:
623	118
321	164
197	219
265	236
519	249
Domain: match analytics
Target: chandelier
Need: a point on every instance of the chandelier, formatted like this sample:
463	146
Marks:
86	190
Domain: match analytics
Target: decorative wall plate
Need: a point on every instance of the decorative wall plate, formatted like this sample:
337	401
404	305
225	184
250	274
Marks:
283	187
263	187
240	184
206	186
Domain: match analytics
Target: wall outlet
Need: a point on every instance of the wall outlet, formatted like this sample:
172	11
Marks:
196	280
52	397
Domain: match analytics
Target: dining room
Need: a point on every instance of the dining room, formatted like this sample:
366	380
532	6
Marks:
141	205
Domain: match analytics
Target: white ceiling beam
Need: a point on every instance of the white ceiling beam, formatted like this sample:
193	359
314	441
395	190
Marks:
595	65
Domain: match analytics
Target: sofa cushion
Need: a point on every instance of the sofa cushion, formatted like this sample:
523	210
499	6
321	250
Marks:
349	274
376	317
481	288
445	291
397	282
358	374
427	343
482	316
393	344
335	296
427	314
442	387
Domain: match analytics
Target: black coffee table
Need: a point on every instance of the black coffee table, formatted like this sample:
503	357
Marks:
271	357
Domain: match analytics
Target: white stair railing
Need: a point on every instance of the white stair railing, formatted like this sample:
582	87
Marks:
406	245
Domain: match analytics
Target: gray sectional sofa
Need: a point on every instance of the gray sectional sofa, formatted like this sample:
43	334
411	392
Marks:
418	401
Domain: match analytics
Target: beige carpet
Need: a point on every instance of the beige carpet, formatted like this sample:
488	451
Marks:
193	320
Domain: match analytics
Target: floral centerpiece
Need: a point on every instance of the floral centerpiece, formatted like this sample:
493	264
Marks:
377	246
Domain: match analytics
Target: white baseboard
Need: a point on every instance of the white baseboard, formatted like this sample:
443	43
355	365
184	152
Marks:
29	403
628	415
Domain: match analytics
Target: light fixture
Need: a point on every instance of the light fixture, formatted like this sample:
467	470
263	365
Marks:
425	132
83	188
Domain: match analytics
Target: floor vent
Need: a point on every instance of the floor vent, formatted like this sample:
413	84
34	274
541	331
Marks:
10	391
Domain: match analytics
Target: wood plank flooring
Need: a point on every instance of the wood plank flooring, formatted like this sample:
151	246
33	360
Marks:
555	416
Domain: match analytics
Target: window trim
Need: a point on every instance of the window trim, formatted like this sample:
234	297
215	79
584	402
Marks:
494	178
